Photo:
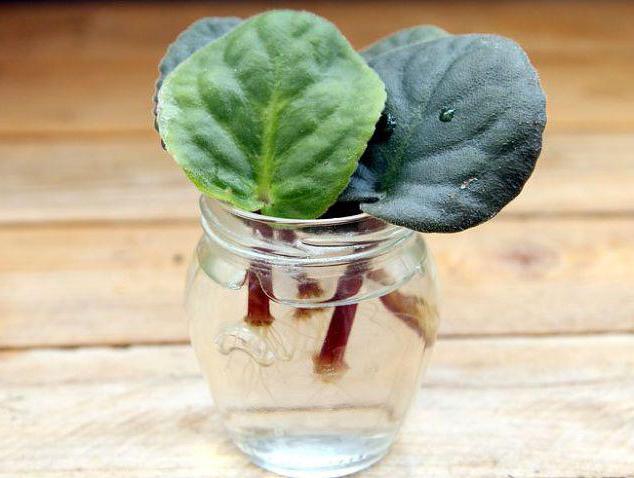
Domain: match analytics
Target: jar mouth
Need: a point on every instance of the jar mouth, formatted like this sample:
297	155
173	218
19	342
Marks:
254	216
292	241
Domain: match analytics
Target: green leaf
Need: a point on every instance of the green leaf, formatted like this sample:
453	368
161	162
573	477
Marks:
408	36
273	116
193	38
468	114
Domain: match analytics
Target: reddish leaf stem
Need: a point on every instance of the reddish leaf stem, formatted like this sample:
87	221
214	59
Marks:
412	310
331	357
405	308
258	309
330	360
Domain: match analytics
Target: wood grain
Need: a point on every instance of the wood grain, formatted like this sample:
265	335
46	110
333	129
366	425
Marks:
123	284
59	167
92	179
92	67
131	177
97	225
489	408
89	285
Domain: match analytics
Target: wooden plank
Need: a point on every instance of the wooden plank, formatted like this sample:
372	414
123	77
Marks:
131	177
104	59
101	31
92	179
122	284
84	285
537	277
580	173
548	407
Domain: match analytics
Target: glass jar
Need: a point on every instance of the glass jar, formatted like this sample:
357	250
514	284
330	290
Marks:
313	335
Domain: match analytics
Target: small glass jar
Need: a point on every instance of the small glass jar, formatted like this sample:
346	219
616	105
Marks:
312	334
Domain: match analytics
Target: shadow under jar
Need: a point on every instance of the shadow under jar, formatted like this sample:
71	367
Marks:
312	334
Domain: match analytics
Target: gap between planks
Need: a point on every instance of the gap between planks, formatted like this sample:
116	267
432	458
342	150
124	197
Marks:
141	223
441	336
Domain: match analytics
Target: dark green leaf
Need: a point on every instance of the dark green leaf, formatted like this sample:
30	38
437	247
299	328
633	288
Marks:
273	116
469	115
194	37
408	36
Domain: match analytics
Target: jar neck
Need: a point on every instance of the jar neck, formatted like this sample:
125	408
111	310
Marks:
258	238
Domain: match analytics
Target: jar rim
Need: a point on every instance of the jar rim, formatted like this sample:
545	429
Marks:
257	237
332	221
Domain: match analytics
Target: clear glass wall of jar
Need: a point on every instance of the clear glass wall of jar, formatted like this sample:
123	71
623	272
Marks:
313	335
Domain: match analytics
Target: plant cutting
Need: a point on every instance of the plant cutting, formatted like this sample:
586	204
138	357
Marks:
312	297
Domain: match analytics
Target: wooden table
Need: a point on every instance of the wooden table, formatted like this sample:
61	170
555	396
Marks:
534	374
